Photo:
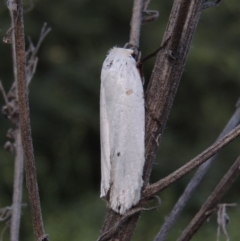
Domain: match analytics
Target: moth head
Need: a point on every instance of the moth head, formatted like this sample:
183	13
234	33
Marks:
136	53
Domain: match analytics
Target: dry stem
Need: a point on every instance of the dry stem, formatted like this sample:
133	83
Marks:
31	176
209	206
136	23
11	111
210	4
195	162
195	181
17	189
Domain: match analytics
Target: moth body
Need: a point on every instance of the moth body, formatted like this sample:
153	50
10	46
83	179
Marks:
122	127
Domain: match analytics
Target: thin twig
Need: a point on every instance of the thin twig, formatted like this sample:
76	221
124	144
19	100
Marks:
3	231
209	206
148	15
18	162
145	4
44	32
3	93
195	162
5	213
223	219
136	24
154	53
31	176
31	53
209	4
195	181
113	229
140	15
17	189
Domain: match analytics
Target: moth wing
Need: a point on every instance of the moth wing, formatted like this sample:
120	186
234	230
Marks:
127	131
105	143
122	117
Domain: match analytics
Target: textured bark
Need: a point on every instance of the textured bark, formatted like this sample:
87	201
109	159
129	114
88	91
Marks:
167	73
31	176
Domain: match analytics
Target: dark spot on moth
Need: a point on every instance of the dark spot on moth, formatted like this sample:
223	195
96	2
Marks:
118	154
119	207
129	92
110	65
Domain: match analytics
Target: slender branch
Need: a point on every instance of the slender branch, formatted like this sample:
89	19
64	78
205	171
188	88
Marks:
3	93
136	24
3	231
195	162
17	189
5	213
13	48
209	206
44	32
145	4
148	15
31	176
209	4
197	178
140	15
19	161
223	219
31	53
112	230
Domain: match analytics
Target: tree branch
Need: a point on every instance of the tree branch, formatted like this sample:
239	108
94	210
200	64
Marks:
209	206
31	176
136	24
167	73
195	162
195	181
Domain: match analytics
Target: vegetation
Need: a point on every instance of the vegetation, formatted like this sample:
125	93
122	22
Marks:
64	108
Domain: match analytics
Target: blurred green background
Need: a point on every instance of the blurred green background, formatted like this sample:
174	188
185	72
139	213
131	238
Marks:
64	102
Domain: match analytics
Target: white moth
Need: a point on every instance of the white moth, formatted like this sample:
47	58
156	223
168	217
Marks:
122	124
